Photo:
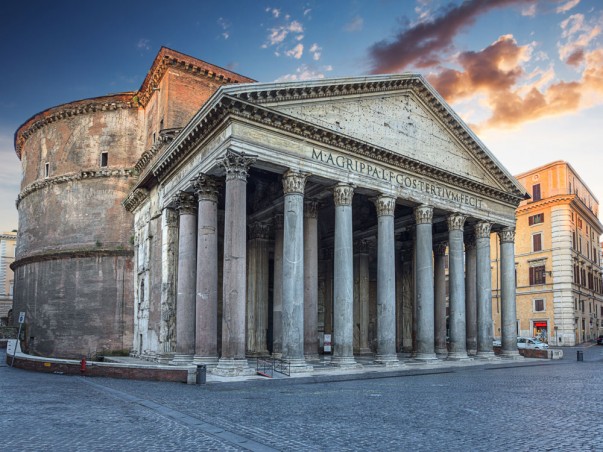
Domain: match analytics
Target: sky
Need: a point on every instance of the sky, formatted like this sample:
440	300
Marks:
525	75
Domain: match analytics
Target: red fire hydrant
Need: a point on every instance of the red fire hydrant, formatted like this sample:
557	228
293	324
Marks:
83	366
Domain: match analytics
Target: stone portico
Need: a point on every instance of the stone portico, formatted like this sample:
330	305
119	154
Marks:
320	207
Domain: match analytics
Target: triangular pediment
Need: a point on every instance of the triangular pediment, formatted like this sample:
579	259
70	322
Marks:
402	114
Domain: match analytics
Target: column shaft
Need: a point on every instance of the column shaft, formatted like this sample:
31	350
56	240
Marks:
508	312
425	284
206	324
169	265
439	262
187	263
363	275
311	280
484	291
458	329
470	294
343	278
277	292
386	282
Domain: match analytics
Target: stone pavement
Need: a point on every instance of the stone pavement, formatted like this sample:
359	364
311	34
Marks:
524	405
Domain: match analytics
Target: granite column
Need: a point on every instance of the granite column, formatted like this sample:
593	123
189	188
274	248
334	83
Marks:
456	269
484	291
311	280
508	311
439	278
470	293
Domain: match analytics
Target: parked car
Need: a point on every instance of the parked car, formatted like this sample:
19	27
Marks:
530	342
600	340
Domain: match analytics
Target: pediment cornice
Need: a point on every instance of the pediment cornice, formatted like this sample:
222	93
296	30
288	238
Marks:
232	107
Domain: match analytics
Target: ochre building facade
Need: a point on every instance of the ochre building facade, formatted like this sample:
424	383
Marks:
558	259
276	213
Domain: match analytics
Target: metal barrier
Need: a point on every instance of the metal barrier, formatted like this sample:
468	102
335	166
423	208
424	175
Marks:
267	367
580	355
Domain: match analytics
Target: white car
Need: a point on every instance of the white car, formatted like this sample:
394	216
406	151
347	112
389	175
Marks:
530	342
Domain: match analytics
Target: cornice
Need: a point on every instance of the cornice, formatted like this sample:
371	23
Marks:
165	136
134	199
228	106
71	254
69	110
81	175
168	58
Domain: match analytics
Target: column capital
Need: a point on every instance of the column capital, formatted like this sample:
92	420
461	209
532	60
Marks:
362	246
456	221
311	208
439	248
469	240
236	164
186	203
259	230
423	214
294	182
279	220
206	188
343	193
385	205
507	235
482	230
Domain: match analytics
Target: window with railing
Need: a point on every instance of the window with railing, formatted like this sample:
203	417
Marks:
537	275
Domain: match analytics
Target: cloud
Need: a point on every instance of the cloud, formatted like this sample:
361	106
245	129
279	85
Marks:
307	11
567	6
225	25
355	24
529	10
278	34
421	45
316	51
577	33
303	72
274	11
296	52
143	44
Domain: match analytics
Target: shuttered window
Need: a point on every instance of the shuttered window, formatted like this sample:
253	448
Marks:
537	242
536	192
537	275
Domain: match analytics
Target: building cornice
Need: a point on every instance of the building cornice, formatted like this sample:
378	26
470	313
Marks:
71	177
81	107
563	199
168	58
134	199
71	254
230	107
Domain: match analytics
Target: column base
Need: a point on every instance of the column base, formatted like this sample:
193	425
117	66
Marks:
180	359
387	360
298	366
231	367
458	356
425	357
258	354
210	361
345	362
472	351
165	358
486	355
277	355
513	354
365	351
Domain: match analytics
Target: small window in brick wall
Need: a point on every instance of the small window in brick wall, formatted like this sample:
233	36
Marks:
538	305
537	242
104	159
46	169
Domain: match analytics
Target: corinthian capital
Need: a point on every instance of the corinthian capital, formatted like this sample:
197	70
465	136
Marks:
294	182
385	205
507	235
186	203
343	193
439	248
311	208
236	164
205	187
423	214
456	221
482	230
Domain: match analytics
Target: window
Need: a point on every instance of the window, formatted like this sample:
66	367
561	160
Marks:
574	239
537	242
538	305
536	219
104	159
46	169
536	192
537	275
580	223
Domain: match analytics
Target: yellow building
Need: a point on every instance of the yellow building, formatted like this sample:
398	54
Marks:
8	241
557	259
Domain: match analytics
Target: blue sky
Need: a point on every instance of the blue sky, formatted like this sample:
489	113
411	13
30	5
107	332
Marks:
527	75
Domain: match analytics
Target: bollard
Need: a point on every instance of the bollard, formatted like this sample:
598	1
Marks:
580	356
201	373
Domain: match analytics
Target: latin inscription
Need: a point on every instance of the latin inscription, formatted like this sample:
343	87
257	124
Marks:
393	177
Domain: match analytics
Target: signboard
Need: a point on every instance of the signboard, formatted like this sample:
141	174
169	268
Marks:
21	317
327	343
